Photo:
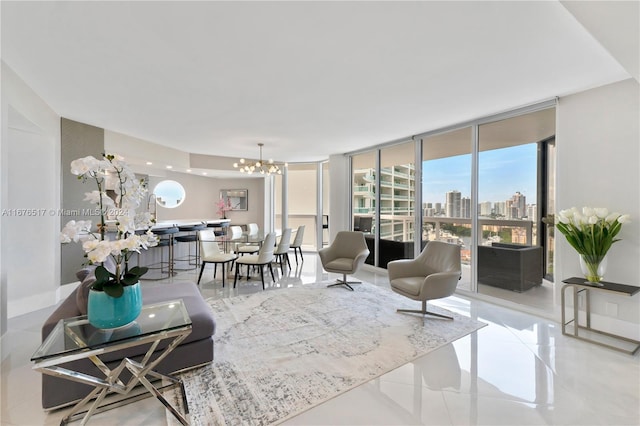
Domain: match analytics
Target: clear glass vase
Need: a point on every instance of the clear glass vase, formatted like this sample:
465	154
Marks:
593	268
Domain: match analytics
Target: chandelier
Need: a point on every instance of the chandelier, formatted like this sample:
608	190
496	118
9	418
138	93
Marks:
259	166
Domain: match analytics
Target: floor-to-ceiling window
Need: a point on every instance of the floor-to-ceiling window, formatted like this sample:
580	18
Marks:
302	187
486	183
397	203
363	202
511	198
446	193
305	199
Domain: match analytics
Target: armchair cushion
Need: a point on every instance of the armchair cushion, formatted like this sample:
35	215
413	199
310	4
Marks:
340	264
409	285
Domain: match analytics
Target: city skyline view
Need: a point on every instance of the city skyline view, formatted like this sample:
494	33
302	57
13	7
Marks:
502	173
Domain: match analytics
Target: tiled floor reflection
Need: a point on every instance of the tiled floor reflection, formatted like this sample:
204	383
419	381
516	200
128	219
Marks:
519	370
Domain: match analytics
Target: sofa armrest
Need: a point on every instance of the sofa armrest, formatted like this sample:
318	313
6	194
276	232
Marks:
67	309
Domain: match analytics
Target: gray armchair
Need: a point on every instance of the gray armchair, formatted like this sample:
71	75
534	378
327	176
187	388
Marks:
344	256
434	274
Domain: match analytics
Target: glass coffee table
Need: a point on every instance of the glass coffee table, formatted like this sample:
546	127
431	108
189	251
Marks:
74	338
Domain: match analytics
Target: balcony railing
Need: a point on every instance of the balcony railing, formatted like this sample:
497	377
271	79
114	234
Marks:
525	234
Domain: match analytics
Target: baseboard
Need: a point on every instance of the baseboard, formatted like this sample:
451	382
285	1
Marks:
612	325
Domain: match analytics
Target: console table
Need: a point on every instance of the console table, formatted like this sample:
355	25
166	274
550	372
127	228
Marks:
74	338
579	285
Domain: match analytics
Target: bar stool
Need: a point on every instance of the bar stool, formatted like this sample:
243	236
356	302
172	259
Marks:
190	238
166	239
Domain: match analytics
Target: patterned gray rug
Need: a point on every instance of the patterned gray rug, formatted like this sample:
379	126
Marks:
281	352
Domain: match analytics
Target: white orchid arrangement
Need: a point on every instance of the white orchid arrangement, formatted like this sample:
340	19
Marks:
591	231
112	171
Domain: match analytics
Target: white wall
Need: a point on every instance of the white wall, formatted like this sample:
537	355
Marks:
202	192
139	151
30	156
598	158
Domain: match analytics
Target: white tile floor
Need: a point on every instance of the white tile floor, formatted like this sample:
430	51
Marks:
519	370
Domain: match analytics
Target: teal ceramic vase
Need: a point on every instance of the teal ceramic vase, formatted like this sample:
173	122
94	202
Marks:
105	311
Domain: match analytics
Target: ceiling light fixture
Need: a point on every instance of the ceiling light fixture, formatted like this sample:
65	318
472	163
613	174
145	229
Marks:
259	166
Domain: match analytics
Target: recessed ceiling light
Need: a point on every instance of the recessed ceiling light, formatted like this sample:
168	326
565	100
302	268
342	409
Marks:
149	163
204	173
188	170
169	167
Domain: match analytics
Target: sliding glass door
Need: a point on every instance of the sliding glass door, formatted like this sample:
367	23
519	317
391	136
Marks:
397	203
363	202
511	187
446	193
486	186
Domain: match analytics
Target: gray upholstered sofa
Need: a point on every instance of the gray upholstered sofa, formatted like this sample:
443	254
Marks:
510	266
195	350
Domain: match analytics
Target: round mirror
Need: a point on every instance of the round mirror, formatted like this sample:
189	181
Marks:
169	194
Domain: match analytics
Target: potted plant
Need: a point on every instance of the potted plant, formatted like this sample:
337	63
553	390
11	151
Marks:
591	232
223	205
120	285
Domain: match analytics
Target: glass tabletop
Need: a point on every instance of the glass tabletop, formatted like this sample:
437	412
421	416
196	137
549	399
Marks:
76	334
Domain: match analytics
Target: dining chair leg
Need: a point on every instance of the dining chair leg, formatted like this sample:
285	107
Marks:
223	268
262	275
201	271
286	257
235	278
272	276
215	269
280	256
295	250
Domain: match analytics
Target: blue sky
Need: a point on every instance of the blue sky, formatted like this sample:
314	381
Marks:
503	172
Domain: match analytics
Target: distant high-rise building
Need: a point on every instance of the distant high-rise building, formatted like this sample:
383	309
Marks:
485	208
438	208
512	212
429	212
465	207
397	199
500	208
453	203
532	212
519	201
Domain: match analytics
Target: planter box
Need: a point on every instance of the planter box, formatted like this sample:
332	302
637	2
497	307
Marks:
510	266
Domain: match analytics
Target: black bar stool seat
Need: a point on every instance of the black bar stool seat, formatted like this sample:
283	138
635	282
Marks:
191	236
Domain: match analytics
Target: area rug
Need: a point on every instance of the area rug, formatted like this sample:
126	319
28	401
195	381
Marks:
281	352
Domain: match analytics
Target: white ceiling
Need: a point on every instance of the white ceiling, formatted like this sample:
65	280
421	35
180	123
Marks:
308	79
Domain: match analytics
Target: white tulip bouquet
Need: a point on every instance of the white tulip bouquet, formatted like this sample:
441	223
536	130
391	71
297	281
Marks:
591	232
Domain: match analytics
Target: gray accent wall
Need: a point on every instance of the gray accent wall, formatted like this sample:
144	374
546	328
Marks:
77	140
